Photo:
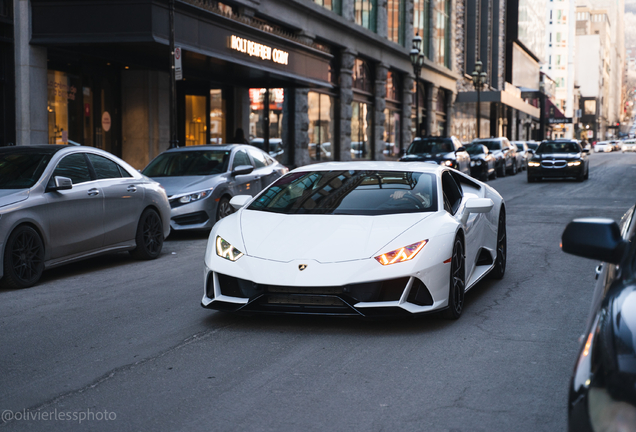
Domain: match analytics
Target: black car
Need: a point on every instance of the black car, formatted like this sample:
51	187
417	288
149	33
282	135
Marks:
504	152
447	151
559	159
602	394
482	162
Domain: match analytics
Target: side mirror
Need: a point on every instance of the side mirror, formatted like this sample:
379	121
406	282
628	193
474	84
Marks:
239	201
460	149
242	170
598	239
61	183
585	150
477	205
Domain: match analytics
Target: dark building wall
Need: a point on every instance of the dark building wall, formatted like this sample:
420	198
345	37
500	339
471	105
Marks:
7	74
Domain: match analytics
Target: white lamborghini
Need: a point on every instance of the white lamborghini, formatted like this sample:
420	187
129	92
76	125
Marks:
357	238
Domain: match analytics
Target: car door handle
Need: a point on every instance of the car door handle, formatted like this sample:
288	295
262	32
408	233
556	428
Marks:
132	188
599	269
93	192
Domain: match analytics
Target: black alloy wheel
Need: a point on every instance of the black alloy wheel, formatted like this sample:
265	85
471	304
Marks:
223	209
457	282
149	237
500	264
23	258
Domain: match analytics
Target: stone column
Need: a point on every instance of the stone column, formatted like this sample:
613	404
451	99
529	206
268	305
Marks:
431	108
379	103
408	102
381	23
408	24
347	59
301	128
31	91
348	10
450	103
431	26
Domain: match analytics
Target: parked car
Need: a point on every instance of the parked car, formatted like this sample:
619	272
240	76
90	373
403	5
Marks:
559	159
60	204
386	213
533	145
523	153
482	163
504	152
629	145
603	147
275	150
602	390
447	151
201	180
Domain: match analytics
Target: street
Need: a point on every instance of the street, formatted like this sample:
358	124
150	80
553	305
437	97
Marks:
128	340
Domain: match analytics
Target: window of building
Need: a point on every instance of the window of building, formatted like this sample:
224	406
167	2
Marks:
395	18
589	107
441	33
365	13
332	5
392	118
196	126
217	117
362	76
266	121
421	27
321	126
361	131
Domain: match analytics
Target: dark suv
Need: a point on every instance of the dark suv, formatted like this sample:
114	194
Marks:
447	151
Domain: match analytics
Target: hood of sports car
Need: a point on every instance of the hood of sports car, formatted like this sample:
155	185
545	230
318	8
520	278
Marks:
324	238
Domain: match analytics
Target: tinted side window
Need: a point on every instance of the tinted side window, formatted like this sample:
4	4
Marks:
241	158
452	193
74	167
259	158
104	168
123	172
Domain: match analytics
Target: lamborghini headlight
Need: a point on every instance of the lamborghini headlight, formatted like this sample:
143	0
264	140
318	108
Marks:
226	250
192	197
405	253
574	163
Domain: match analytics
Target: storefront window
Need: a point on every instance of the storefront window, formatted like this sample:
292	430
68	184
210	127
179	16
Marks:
391	134
395	18
266	120
361	131
365	12
332	5
63	100
362	76
421	23
321	126
196	129
217	117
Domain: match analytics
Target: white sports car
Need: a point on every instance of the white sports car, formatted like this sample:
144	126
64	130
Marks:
357	238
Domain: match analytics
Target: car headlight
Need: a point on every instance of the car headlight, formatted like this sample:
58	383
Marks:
472	163
533	164
574	163
192	197
405	253
448	163
226	250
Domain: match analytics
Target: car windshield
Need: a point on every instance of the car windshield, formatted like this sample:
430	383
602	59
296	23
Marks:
350	193
474	149
22	170
188	163
533	146
558	147
430	146
519	146
492	145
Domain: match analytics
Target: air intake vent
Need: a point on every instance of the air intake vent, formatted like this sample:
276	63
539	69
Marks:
419	294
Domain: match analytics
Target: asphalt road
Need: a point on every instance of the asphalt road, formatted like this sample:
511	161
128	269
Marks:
116	344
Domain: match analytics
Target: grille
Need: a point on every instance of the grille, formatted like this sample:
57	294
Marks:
308	300
554	164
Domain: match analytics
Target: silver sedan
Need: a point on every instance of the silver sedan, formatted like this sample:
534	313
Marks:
60	204
201	180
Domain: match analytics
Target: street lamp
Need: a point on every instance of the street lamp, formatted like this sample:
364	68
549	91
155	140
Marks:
417	60
479	79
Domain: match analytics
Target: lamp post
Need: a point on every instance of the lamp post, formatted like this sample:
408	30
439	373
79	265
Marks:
174	142
542	127
479	79
417	60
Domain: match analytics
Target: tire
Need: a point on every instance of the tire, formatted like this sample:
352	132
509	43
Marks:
513	170
223	209
501	171
457	284
587	174
23	258
500	261
149	236
581	176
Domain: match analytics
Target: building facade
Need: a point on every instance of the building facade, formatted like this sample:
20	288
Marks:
306	80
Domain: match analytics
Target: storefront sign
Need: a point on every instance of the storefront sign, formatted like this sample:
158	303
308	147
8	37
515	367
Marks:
560	120
106	121
255	49
178	72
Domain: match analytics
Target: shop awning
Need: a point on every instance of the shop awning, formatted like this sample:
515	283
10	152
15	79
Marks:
552	111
